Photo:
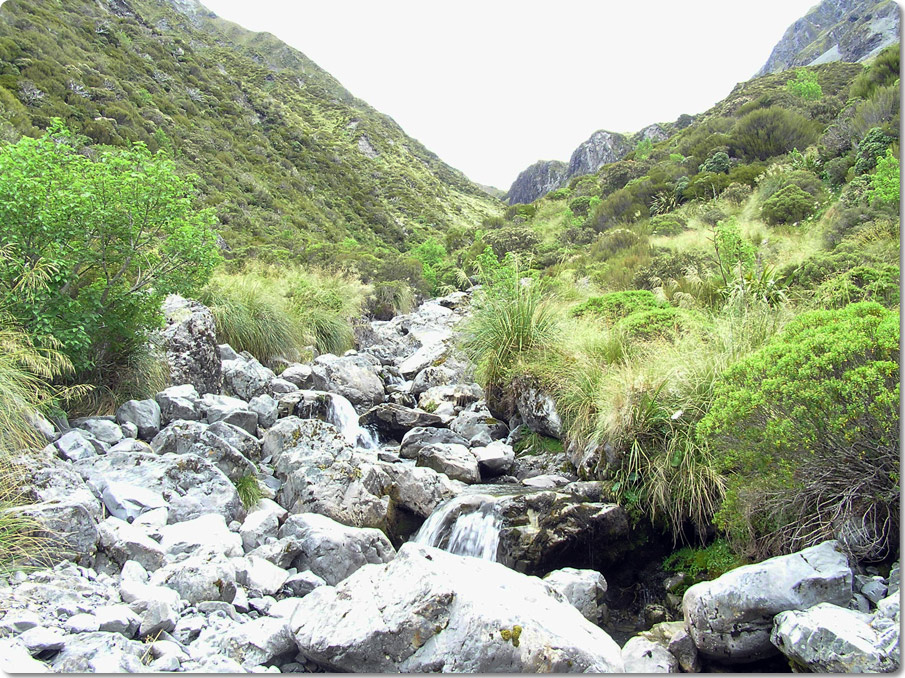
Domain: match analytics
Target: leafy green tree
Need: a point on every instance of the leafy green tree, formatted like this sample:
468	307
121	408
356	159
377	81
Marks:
805	85
431	254
111	231
885	184
643	149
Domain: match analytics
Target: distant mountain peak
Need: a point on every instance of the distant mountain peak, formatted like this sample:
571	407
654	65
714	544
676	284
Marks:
836	30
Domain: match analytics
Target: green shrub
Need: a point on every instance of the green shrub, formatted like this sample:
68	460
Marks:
883	71
717	163
871	147
580	204
671	266
834	170
704	563
512	239
885	184
665	322
733	253
736	193
805	85
788	205
769	132
667	224
808	426
115	233
614	241
389	299
617	305
559	194
862	283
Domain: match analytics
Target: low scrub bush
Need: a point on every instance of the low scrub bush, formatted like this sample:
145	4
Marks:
614	306
808	428
883	71
389	299
788	205
665	322
765	133
862	283
667	224
805	85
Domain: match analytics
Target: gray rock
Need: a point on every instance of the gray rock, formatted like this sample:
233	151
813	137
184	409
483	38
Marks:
123	542
227	352
127	502
252	644
17	621
68	528
179	402
456	461
15	658
158	616
872	588
101	653
43	639
300	585
129	430
547	481
354	377
827	638
239	438
73	446
450	398
859	603
430	377
479	428
206	576
394	421
280	552
731	617
584	589
644	656
261	523
140	596
246	378
207	533
279	387
145	414
101	429
133	572
258	574
82	623
266	407
428	610
299	375
418	489
334	551
190	485
44	478
673	637
190	338
538	411
417	438
117	619
495	459
537	180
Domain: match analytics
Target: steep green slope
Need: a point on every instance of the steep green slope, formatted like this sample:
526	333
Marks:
290	159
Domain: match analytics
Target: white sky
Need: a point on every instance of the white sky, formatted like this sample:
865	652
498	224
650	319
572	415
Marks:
493	86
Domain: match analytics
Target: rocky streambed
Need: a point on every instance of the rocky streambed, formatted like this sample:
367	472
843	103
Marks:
398	531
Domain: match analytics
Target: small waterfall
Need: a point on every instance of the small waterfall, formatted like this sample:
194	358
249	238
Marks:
467	525
343	416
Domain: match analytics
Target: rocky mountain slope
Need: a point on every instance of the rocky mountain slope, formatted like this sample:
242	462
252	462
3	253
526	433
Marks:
601	148
836	30
289	158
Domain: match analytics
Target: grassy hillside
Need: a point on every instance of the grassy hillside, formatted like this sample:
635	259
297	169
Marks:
289	159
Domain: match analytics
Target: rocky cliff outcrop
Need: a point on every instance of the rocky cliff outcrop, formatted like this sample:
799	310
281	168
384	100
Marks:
601	149
836	30
539	179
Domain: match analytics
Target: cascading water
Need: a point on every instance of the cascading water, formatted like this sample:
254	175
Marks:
467	525
343	416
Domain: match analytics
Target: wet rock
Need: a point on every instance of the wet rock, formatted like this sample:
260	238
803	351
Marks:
495	459
643	656
584	589
428	610
354	377
731	617
394	421
331	550
456	461
190	339
419	437
418	489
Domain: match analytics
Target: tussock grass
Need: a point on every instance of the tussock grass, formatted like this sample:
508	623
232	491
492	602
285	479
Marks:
249	491
277	312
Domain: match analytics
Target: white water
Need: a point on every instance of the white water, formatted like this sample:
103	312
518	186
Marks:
344	417
467	525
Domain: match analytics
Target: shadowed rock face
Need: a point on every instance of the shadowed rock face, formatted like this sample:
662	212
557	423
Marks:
836	30
538	180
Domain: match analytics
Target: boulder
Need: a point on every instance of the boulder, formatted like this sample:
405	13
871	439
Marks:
731	617
394	421
68	528
207	576
450	398
117	619
247	444
104	430
479	428
299	585
322	473
674	637
354	377
417	489
127	502
827	638
538	411
456	461
251	644
15	658
267	409
419	437
145	414
179	402
260	575
73	446
190	340
584	589
494	460
428	610
231	410
122	542
45	478
298	374
101	652
331	550
262	523
191	486
246	378
644	656
207	533
430	377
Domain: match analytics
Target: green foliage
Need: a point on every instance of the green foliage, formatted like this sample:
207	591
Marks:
862	283
667	224
767	132
512	317
717	163
665	322
806	425
703	563
249	491
389	299
617	305
111	235
432	255
805	85
732	252
512	239
788	205
872	147
581	204
883	71
559	194
643	149
885	184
